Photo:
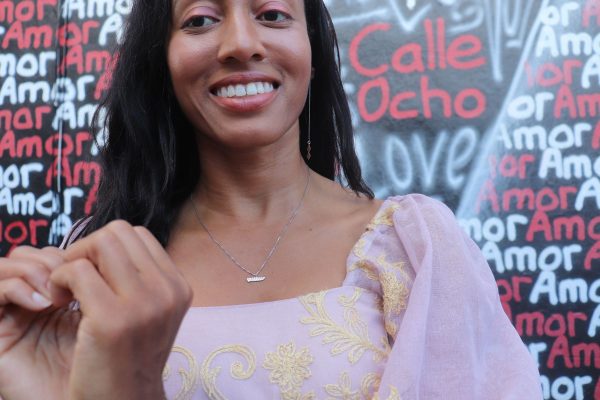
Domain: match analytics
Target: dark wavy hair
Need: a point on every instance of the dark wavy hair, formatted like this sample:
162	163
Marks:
150	162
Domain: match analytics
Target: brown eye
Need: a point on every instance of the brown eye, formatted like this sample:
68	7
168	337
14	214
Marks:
274	16
200	21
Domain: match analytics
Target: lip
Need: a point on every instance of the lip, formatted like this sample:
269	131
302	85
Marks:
246	103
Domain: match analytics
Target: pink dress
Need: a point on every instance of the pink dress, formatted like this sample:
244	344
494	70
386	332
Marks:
417	317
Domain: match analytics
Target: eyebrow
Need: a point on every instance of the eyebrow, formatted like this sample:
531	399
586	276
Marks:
177	2
180	3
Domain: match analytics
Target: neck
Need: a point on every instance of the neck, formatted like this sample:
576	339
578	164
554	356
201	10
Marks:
250	186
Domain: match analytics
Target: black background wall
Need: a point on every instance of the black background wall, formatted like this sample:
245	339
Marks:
492	106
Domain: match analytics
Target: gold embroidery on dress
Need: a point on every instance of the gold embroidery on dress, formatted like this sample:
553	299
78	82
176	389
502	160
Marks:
353	339
398	266
391	328
343	389
395	293
365	266
359	248
394	395
384	217
189	379
289	369
370	384
209	375
349	302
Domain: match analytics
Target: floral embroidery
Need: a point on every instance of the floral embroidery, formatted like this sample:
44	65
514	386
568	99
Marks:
359	248
350	302
370	385
397	266
394	395
395	293
384	217
391	328
392	276
189	378
353	339
289	369
209	375
366	266
342	390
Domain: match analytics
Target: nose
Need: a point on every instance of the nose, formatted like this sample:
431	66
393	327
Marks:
240	40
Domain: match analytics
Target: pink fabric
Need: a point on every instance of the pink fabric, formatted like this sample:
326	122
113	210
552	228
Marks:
417	317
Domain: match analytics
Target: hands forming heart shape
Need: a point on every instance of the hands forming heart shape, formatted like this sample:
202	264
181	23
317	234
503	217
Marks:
131	300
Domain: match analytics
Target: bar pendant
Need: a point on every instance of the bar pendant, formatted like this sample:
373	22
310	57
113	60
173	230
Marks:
251	279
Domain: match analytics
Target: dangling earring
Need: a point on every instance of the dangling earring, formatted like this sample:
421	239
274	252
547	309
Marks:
308	148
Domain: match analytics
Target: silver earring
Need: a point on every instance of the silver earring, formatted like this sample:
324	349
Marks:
308	148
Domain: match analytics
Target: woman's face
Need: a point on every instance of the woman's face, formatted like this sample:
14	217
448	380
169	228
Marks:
240	68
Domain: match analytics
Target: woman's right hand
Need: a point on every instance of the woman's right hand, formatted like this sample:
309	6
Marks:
132	299
36	337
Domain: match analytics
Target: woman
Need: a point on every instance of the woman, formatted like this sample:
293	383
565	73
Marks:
227	124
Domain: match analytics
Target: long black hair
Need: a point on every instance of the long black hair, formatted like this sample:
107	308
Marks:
150	162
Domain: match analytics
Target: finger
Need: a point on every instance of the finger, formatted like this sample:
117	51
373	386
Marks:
136	248
17	291
156	250
34	273
82	279
107	250
164	262
49	256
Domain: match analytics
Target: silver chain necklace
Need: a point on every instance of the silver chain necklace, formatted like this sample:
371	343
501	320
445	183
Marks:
255	276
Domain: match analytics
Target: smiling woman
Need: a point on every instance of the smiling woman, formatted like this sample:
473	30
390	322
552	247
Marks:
229	46
220	240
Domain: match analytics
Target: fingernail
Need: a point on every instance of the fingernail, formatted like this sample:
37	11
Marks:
41	300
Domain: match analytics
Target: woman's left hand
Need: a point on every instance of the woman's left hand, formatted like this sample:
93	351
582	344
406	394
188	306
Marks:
132	300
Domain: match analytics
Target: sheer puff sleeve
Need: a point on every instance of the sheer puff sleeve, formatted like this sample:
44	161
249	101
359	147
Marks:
450	336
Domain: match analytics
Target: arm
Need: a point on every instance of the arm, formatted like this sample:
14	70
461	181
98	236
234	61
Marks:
454	340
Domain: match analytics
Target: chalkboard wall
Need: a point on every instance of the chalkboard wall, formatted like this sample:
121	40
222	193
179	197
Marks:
492	106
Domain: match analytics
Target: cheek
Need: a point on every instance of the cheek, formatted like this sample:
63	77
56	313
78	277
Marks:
299	57
183	59
173	64
176	62
301	46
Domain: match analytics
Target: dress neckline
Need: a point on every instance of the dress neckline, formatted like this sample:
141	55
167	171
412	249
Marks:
365	232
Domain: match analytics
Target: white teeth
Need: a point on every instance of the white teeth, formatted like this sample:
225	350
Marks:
240	90
250	89
230	91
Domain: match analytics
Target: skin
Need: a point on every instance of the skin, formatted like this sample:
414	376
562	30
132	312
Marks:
132	299
133	293
253	172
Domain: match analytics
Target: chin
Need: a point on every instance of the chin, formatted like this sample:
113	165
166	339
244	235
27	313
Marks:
249	139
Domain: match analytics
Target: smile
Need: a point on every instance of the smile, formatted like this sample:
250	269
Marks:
243	90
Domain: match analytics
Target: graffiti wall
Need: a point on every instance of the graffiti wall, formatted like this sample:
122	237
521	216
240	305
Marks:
492	106
53	63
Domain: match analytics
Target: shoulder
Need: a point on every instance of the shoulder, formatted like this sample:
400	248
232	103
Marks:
421	233
408	219
416	203
414	211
